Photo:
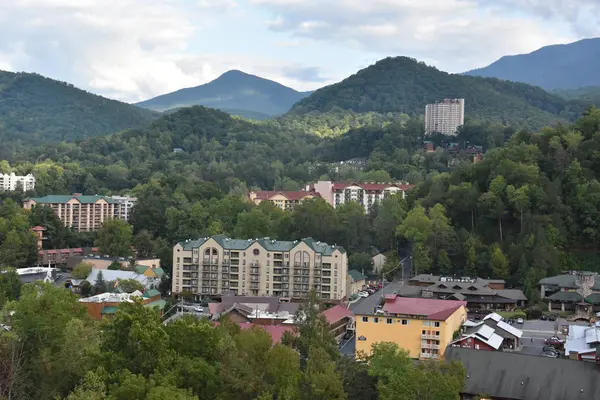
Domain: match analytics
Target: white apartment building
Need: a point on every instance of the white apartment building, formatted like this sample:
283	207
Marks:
126	204
10	182
366	194
259	267
445	117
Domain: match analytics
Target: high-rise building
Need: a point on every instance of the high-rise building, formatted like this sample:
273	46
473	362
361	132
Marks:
10	182
259	267
445	117
126	204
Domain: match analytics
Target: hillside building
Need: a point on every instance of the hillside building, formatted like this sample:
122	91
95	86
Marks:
10	182
445	117
259	267
286	200
126	203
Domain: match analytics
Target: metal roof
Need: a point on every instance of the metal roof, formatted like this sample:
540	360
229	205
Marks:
53	199
267	243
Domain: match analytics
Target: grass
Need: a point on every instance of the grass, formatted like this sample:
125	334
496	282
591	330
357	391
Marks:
512	314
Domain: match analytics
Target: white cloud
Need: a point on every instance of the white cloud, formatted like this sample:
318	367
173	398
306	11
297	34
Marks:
455	34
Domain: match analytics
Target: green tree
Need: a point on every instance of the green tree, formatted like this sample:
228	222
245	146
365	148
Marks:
416	227
144	244
82	270
498	262
390	214
519	198
444	265
100	286
114	238
10	285
320	380
114	266
470	254
361	262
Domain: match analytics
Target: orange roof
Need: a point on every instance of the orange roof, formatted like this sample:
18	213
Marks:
38	228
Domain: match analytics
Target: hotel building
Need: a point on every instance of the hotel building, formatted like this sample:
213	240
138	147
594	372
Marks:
259	267
285	200
126	203
424	327
10	182
445	117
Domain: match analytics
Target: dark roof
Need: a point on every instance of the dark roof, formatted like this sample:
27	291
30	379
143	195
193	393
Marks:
409	291
267	243
525	377
273	303
514	294
565	296
567	281
356	275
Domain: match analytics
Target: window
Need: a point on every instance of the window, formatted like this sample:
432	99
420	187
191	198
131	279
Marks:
389	321
256	252
365	319
267	285
376	320
404	322
426	323
436	324
268	263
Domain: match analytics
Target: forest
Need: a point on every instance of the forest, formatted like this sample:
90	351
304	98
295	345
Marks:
134	356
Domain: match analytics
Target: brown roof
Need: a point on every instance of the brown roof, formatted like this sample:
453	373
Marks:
299	195
432	309
269	304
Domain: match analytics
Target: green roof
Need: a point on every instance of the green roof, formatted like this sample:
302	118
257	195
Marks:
159	271
109	310
151	293
356	275
593	298
568	281
160	304
52	198
140	269
566	296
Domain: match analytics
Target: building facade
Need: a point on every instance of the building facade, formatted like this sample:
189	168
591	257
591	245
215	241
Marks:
424	327
365	194
10	182
105	305
285	200
82	213
259	267
445	117
126	203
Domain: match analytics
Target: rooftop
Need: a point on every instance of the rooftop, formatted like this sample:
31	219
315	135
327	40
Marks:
431	309
568	281
112	297
290	195
53	199
336	313
267	243
356	275
372	185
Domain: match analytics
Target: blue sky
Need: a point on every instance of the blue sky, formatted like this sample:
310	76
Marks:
137	49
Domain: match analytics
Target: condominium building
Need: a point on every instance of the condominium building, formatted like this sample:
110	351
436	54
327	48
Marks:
445	117
126	203
286	200
82	213
259	267
424	327
366	194
10	182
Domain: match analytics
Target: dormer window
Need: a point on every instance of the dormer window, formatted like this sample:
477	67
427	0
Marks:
457	287
472	288
442	286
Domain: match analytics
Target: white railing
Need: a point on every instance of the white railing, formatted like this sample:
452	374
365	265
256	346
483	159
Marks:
434	337
430	356
430	346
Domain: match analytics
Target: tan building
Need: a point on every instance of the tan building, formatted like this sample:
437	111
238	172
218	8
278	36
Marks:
283	199
356	282
445	117
82	213
259	267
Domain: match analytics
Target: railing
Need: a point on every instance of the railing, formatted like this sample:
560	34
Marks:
434	337
430	356
430	346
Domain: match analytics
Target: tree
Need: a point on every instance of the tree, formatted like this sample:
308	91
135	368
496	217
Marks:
358	384
519	198
498	262
100	286
114	266
130	285
320	380
417	226
444	265
82	270
361	262
390	214
114	238
353	226
470	254
10	285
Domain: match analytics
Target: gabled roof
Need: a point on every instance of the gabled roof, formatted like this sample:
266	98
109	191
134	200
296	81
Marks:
431	309
372	186
290	195
567	281
496	317
53	199
336	313
486	335
356	275
513	294
566	296
509	328
151	293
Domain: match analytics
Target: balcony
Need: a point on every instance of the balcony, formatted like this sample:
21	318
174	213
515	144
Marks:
430	356
430	346
431	337
211	261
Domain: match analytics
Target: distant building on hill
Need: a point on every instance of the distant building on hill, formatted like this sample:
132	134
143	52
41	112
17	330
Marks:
105	305
445	117
286	200
10	182
126	203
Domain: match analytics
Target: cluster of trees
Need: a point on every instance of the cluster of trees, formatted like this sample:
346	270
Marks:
63	355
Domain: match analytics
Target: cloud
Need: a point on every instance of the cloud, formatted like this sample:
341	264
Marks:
306	74
455	34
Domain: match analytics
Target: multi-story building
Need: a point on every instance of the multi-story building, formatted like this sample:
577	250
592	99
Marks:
285	200
126	203
259	267
445	117
366	194
82	213
10	182
424	327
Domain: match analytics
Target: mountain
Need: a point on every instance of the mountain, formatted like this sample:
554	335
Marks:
587	94
561	66
234	92
36	110
404	85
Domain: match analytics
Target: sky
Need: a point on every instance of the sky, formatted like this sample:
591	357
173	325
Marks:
132	50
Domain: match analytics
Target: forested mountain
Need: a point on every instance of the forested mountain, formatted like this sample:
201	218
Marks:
561	66
403	85
234	92
36	110
588	94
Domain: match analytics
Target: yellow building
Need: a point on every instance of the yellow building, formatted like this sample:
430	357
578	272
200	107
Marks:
286	200
424	327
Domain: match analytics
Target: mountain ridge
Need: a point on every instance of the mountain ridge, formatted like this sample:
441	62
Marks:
234	91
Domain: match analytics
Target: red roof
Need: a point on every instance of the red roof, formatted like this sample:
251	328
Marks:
65	250
434	309
371	186
78	250
334	314
276	331
38	228
267	194
94	249
52	252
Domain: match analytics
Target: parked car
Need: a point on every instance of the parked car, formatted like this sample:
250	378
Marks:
543	317
549	354
477	317
520	321
552	318
554	341
199	309
549	348
363	294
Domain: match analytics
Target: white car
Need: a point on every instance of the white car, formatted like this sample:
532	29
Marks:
199	309
363	294
520	321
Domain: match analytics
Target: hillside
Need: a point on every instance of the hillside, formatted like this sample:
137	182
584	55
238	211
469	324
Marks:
36	110
404	85
588	94
235	92
562	66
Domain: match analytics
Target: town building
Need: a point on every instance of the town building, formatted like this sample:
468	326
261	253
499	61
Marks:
149	282
482	337
260	310
480	294
100	262
496	375
356	282
38	231
60	257
583	342
424	327
379	261
106	304
11	182
126	203
82	213
445	117
365	194
340	319
575	291
259	267
505	336
286	200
